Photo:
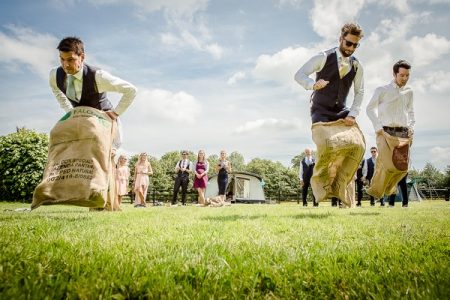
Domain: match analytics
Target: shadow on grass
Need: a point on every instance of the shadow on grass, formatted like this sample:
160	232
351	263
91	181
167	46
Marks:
364	213
310	216
233	218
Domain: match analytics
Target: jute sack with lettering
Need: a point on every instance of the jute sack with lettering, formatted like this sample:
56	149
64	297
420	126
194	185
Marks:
391	166
340	149
79	160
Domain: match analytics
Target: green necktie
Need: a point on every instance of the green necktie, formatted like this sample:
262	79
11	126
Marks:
70	91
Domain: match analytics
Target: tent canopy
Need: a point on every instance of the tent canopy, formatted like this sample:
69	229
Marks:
413	192
242	187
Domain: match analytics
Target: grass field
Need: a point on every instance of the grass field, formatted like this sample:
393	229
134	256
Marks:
242	251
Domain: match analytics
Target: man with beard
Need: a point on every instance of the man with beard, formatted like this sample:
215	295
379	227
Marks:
336	71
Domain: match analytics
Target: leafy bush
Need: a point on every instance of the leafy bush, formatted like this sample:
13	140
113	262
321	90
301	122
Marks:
23	156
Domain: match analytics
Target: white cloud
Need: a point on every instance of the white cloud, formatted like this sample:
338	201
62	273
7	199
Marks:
180	107
33	49
428	49
263	125
282	66
436	82
328	16
236	77
400	5
440	156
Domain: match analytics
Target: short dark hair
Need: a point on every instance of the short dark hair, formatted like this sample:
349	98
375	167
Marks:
71	43
352	28
372	148
401	64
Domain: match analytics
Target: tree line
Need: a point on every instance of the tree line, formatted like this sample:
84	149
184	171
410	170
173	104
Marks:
23	156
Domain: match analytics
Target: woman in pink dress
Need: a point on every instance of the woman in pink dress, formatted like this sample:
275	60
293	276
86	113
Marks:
122	176
201	176
141	172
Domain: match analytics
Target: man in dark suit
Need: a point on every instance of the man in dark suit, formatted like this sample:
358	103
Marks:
359	182
368	171
305	174
183	168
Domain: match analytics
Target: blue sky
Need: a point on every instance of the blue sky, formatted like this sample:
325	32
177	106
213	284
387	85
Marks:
218	75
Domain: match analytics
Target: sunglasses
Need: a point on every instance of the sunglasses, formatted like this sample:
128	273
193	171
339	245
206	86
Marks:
373	151
350	44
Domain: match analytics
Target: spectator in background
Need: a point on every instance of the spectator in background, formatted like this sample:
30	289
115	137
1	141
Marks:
142	170
305	174
359	182
122	177
183	168
201	176
368	171
222	169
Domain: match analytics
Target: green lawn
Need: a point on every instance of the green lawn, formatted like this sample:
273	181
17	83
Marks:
242	251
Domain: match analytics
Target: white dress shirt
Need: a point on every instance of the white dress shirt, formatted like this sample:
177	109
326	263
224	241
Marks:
184	163
316	64
365	168
105	83
391	106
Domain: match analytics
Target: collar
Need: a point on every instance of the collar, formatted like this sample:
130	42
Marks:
79	75
340	56
395	85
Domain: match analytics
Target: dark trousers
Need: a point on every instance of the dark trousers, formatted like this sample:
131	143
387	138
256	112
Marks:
335	201
404	191
372	199
182	181
359	190
306	185
322	113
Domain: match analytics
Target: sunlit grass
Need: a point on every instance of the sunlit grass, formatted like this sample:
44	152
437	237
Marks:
242	251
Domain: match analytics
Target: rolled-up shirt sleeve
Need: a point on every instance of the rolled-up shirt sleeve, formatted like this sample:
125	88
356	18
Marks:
109	83
59	95
313	65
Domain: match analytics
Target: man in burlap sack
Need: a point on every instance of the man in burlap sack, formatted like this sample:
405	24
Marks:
391	111
340	142
79	88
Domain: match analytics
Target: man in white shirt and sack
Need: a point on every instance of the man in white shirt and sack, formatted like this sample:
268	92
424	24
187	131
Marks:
391	111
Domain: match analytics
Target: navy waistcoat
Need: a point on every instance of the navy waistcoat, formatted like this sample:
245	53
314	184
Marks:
89	92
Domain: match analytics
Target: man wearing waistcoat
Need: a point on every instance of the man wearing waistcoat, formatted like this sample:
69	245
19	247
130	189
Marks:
182	169
305	174
75	83
336	71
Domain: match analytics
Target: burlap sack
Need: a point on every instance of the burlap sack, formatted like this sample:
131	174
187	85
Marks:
79	164
391	166
216	201
351	194
340	149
